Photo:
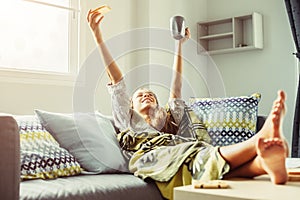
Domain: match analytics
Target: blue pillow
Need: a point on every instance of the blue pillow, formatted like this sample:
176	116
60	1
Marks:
89	137
228	120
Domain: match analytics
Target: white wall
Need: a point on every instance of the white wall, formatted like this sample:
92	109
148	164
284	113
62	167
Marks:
194	74
266	70
243	73
23	97
263	71
119	20
151	64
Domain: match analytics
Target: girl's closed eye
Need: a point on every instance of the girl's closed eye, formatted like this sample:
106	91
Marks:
139	95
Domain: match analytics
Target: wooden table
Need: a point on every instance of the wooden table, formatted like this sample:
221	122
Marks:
258	188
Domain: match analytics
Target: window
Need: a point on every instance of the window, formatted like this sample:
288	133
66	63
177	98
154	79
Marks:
39	37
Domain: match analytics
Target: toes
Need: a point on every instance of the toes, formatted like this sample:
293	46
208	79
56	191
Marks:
282	95
276	126
278	106
267	143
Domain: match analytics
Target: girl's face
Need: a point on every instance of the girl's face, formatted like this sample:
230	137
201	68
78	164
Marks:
143	99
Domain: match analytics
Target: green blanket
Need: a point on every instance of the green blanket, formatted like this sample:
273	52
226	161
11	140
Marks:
173	160
159	156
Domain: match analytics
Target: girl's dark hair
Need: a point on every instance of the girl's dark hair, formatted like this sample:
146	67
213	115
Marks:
170	125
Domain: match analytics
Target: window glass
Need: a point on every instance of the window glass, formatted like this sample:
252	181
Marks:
34	36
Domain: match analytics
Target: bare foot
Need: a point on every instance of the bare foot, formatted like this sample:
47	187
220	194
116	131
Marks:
271	146
272	127
272	154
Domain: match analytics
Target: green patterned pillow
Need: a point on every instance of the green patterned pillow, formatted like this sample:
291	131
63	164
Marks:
41	155
228	120
191	127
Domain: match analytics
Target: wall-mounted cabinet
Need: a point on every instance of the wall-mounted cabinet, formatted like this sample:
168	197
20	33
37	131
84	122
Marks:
233	34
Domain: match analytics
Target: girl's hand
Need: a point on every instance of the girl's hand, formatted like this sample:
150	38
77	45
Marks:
187	35
94	19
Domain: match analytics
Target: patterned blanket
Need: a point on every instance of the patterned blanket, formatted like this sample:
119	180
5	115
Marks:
173	160
159	156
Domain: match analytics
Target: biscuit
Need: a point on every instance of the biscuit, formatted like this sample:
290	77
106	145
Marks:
102	9
213	184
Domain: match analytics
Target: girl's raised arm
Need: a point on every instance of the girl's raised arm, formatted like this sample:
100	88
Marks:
94	19
176	83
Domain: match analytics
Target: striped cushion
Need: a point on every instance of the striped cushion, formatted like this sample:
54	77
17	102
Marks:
228	120
41	155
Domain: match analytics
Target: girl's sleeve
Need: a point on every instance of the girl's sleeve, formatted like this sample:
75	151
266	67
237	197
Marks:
121	106
176	107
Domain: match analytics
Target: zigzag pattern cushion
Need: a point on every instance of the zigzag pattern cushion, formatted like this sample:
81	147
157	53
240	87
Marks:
41	155
228	120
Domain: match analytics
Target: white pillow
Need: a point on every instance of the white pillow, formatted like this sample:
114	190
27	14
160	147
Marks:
89	137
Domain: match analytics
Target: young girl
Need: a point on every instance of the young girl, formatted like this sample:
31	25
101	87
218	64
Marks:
148	133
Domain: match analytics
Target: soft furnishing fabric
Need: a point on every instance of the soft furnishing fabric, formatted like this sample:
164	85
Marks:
228	120
41	155
160	157
90	137
90	187
192	127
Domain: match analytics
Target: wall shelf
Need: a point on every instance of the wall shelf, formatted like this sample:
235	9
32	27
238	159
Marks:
240	33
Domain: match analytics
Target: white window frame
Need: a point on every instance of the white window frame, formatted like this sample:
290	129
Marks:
52	78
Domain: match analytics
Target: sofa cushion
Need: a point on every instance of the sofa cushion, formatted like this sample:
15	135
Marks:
90	137
91	187
228	120
40	154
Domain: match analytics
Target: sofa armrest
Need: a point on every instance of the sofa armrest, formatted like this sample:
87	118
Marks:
260	122
10	158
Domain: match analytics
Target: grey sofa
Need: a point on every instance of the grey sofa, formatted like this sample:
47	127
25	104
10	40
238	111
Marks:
101	186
